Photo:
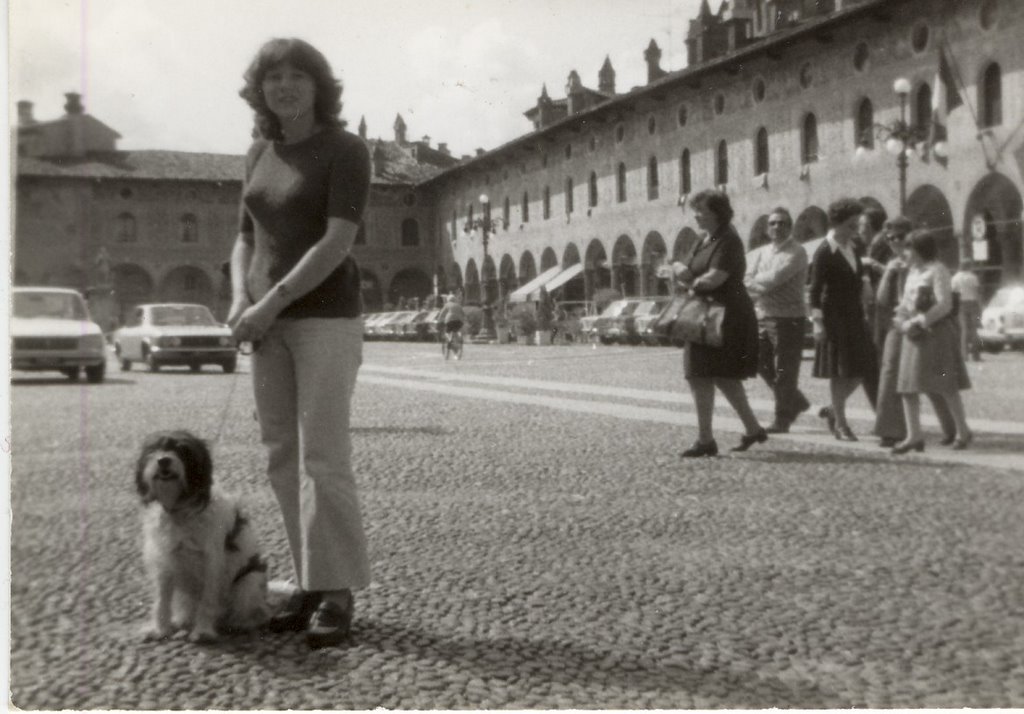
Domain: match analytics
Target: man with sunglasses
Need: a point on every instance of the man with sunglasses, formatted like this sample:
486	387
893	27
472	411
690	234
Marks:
776	278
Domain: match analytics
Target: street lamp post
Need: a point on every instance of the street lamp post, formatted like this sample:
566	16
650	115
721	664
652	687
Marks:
900	138
488	329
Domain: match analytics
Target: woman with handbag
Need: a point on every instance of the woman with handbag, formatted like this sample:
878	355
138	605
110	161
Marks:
930	357
844	352
715	271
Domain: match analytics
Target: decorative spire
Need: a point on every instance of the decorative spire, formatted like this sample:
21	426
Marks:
606	77
362	127
399	129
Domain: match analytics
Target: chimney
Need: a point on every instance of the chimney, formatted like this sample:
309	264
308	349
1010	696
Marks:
362	128
76	132
480	152
652	55
73	105
425	141
400	130
574	93
25	113
443	148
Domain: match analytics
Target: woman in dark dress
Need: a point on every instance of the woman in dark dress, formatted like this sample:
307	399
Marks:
844	351
716	269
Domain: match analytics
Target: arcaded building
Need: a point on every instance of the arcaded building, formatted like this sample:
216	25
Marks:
783	102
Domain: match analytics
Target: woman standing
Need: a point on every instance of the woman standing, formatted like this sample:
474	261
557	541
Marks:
931	360
295	296
716	269
844	351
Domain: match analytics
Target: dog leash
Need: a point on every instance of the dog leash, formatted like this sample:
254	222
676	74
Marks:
244	348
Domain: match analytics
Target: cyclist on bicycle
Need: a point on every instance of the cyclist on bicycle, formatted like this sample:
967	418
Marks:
451	316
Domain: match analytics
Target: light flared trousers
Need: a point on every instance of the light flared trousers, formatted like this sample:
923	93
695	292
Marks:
304	374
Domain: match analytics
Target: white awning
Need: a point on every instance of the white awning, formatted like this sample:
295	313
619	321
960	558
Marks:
565	276
522	294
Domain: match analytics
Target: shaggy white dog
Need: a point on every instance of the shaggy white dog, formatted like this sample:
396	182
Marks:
199	548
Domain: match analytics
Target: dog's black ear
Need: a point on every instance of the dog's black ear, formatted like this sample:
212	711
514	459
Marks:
150	444
198	465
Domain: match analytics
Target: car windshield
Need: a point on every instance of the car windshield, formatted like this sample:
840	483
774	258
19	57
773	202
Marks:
647	307
63	306
167	315
619	307
1008	297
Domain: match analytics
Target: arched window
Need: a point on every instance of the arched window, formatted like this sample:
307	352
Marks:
506	212
620	183
864	125
410	233
593	189
126	228
526	207
189	229
761	152
992	96
685	182
809	140
568	196
455	226
652	178
547	203
469	215
361	233
923	107
722	164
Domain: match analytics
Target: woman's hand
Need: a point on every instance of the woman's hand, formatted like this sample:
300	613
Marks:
818	330
238	306
254	321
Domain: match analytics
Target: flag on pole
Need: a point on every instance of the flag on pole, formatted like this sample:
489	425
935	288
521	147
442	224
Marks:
945	99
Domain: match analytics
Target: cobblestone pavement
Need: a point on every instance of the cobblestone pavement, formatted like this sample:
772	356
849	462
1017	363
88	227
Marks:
537	543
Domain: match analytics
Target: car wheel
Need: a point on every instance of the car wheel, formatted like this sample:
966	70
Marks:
151	362
230	365
95	374
71	373
126	365
195	367
993	347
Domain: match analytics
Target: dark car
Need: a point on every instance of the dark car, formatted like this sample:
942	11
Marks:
615	321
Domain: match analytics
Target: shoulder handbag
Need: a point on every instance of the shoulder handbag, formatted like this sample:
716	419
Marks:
692	318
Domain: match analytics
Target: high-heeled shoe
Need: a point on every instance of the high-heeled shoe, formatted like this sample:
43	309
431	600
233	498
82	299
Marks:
905	446
961	443
844	433
698	449
748	440
948	439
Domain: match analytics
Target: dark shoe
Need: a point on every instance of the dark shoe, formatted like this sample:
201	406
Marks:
887	442
330	625
845	433
961	444
746	441
804	404
295	614
777	427
905	446
948	439
699	449
829	416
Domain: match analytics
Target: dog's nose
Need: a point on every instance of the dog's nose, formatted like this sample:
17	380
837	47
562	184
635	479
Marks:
164	462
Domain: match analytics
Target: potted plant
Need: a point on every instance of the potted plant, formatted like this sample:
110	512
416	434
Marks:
545	317
525	322
501	322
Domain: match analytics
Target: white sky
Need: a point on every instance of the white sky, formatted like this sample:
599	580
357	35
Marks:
165	74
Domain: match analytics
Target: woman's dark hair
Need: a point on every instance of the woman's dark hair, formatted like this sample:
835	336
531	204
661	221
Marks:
716	202
924	244
843	210
780	211
303	56
876	217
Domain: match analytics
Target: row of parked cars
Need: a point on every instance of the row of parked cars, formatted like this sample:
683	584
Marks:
416	325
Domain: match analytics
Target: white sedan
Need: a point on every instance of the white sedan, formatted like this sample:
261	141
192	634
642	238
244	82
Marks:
51	330
175	334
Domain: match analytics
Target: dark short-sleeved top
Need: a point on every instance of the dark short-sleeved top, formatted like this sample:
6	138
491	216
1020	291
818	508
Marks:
290	191
737	357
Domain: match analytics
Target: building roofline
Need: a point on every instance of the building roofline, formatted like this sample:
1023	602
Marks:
624	102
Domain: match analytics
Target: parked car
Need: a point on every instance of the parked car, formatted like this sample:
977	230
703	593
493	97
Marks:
610	324
644	317
51	329
424	326
372	324
393	327
1002	320
162	334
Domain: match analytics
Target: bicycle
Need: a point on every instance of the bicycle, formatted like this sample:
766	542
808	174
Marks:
451	342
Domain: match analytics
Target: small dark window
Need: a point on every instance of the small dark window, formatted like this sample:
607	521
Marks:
546	203
989	14
759	90
652	125
593	189
409	199
864	124
126	193
126	228
568	151
526	207
685	183
568	196
719	103
620	183
505	212
923	107
722	164
190	283
620	133
682	115
593	142
809	140
652	178
919	37
455	228
861	55
189	229
761	152
992	96
806	75
410	233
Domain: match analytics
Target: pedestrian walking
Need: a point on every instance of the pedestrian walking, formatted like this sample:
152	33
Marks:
715	269
968	289
844	353
930	358
879	254
776	279
890	424
295	294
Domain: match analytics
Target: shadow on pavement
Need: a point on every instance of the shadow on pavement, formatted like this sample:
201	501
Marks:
427	430
64	381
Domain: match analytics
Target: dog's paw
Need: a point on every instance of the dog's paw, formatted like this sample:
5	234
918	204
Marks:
203	635
152	632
